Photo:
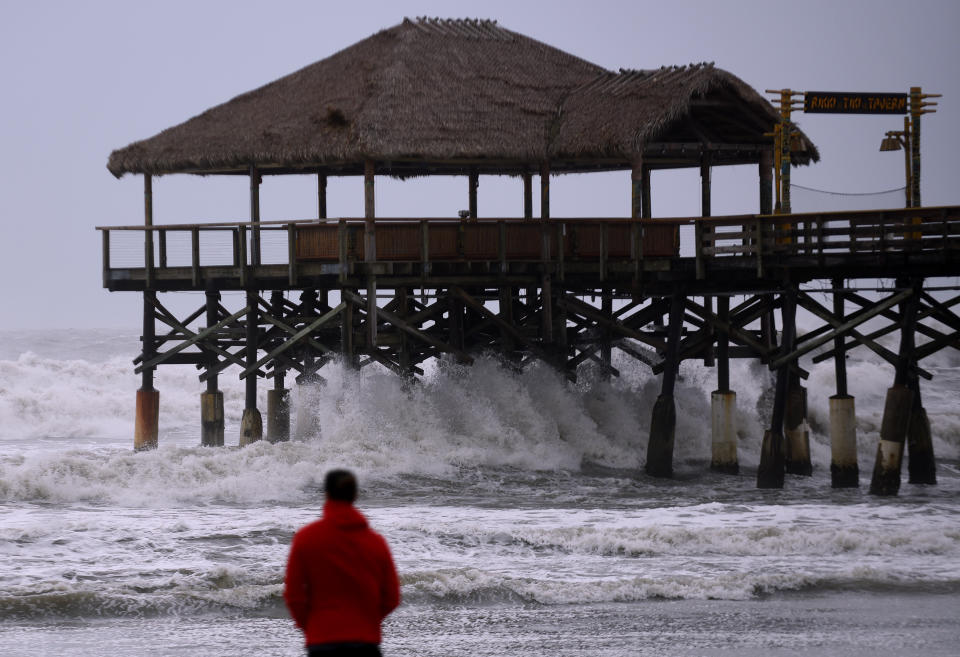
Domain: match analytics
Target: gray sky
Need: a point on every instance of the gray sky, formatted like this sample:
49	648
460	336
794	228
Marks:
81	79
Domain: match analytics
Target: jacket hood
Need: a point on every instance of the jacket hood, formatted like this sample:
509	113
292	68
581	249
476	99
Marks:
343	515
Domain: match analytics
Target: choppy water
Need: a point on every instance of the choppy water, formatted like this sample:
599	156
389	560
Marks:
515	506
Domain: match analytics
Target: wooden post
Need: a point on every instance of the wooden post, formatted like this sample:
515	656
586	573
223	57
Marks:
605	343
844	469
148	233
211	401
786	105
545	190
796	434
922	465
766	181
646	212
474	182
663	423
278	399
346	333
369	229
899	404
636	190
770	473
321	196
705	161
254	216
146	419
723	404
251	424
527	195
372	312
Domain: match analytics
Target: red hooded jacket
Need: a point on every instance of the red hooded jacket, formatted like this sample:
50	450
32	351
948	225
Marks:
341	581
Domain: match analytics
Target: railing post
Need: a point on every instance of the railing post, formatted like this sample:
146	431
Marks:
195	256
292	253
698	245
604	250
242	239
254	216
105	237
342	249
424	247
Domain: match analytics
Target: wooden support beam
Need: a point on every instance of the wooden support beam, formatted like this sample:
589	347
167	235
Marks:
473	183
404	326
545	190
500	323
297	337
574	305
841	329
194	338
527	196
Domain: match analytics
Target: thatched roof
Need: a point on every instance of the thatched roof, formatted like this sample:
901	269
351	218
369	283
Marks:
442	96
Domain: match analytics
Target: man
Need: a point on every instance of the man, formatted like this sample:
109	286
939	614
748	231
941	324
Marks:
341	581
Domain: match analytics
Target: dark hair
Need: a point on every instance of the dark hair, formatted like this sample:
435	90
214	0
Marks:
341	485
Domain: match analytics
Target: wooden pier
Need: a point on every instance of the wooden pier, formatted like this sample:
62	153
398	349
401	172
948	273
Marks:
396	292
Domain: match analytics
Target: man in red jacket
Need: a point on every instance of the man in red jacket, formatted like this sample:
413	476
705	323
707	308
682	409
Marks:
341	581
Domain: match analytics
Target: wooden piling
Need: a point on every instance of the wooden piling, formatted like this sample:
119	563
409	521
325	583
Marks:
921	464
211	419
844	469
770	473
147	420
723	404
795	430
251	424
663	422
899	404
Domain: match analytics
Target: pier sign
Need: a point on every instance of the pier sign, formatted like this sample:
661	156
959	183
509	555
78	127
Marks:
839	102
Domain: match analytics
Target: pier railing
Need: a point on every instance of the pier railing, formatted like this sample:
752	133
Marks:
192	252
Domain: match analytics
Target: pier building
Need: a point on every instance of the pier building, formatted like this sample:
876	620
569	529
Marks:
469	98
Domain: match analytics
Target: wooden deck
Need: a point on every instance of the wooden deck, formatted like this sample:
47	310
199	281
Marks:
727	253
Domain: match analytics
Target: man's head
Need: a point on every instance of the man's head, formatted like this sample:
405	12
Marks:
341	486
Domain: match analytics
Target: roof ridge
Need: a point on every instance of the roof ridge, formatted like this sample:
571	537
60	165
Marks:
467	28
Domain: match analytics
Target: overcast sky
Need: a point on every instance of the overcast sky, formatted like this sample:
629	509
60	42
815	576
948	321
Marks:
80	79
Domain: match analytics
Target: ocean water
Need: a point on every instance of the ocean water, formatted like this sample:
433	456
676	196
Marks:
515	505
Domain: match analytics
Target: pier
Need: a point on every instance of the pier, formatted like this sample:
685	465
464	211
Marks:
396	292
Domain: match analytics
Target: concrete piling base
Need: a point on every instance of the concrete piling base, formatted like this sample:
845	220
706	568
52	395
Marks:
211	419
147	421
251	427
922	465
770	473
844	470
723	416
278	415
893	433
796	433
663	426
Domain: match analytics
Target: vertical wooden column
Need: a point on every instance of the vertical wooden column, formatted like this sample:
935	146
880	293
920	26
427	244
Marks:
795	430
370	249
278	399
254	216
606	349
898	406
321	196
369	212
766	181
308	386
772	469
527	196
473	183
663	422
211	401
636	190
844	469
545	190
922	465
646	211
347	346
723	404
404	356
147	411
251	424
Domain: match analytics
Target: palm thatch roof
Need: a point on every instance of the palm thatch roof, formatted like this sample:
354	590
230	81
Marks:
444	96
